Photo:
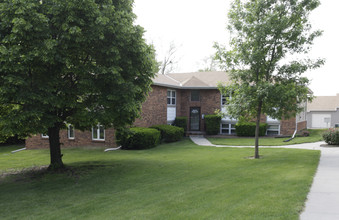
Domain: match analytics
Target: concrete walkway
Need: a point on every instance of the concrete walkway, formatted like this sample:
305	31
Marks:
323	199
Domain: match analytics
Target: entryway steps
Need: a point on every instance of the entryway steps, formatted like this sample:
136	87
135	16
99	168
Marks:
189	133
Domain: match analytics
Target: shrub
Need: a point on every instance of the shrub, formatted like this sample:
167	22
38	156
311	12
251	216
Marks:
303	133
181	122
9	138
331	136
248	129
138	138
212	123
169	133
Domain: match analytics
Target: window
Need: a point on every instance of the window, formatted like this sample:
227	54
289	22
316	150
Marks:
171	113
273	129
171	97
225	99
70	132
227	128
272	119
98	133
44	136
195	95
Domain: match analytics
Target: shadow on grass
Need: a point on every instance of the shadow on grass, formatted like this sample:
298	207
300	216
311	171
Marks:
84	169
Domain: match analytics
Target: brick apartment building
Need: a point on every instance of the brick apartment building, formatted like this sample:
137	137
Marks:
192	95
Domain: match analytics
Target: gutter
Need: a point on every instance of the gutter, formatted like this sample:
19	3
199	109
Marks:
181	87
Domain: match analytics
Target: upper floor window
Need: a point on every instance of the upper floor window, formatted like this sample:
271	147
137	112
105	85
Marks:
270	118
225	99
70	132
195	95
98	133
171	97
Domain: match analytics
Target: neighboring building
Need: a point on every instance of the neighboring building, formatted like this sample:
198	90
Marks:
192	95
323	112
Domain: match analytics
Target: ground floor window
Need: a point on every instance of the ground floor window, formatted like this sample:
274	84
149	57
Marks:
70	132
98	133
171	114
273	129
227	128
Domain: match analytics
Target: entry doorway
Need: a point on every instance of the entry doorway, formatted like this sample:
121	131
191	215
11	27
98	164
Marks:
195	118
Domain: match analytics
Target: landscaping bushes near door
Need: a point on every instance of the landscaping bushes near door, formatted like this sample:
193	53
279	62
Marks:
138	138
169	133
248	129
331	136
181	122
212	123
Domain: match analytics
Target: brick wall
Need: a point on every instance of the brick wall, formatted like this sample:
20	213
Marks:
302	125
154	109
81	138
287	126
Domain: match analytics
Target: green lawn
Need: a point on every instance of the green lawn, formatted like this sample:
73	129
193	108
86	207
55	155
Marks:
315	135
172	181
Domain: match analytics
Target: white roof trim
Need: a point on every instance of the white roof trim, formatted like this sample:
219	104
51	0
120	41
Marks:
182	87
173	79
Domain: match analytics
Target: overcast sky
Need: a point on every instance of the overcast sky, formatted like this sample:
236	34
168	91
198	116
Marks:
194	25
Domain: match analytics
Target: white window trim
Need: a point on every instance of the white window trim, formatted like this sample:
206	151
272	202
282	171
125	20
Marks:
273	129
224	110
171	97
171	120
98	134
44	136
69	133
221	99
229	127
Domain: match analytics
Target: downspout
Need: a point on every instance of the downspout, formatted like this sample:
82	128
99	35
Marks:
14	151
296	125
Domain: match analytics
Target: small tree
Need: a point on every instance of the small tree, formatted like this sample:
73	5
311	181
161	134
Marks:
264	33
78	61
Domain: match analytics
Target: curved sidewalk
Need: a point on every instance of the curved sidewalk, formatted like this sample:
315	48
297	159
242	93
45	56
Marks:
323	199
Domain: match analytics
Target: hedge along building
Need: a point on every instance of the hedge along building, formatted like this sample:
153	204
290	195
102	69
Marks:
192	95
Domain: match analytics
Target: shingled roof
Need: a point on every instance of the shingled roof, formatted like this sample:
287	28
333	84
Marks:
194	80
324	103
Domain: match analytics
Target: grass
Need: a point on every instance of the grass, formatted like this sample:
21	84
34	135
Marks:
315	135
172	181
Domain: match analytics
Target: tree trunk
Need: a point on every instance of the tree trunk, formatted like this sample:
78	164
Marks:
256	148
54	147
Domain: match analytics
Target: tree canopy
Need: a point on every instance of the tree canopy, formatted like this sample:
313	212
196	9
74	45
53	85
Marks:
82	62
266	75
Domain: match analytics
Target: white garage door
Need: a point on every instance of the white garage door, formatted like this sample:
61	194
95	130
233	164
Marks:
321	120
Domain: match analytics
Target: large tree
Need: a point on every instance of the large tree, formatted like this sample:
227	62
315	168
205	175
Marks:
170	60
266	75
82	62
